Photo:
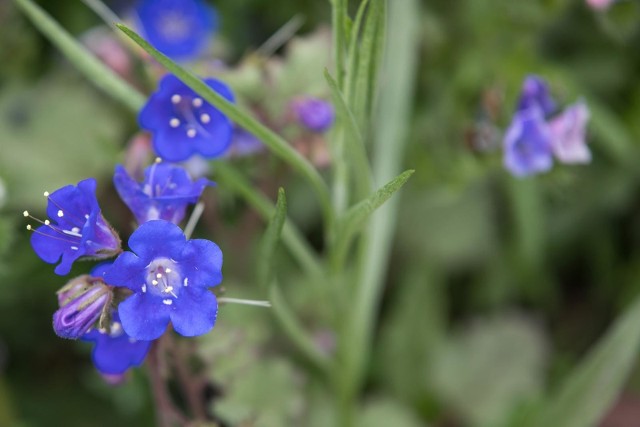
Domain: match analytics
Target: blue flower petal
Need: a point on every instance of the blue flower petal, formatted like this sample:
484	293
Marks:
126	271
202	274
143	317
195	312
157	238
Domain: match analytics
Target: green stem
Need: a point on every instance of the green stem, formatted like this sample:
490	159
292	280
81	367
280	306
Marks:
291	236
81	58
338	16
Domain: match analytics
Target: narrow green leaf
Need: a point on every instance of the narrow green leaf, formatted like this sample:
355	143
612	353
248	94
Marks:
274	142
83	60
291	236
293	329
356	216
338	19
356	154
270	241
593	386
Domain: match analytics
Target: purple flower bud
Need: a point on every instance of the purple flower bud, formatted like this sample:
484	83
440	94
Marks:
568	134
315	114
527	147
535	92
82	301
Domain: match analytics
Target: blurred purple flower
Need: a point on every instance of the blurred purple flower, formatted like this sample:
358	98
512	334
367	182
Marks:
600	5
535	92
568	134
178	28
170	277
183	124
165	193
315	114
527	145
77	228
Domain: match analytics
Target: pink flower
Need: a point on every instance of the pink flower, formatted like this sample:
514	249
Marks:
600	4
568	134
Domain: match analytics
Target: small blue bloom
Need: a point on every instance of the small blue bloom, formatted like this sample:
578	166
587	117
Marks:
178	28
183	124
535	92
82	301
76	229
170	277
315	114
164	194
114	351
527	144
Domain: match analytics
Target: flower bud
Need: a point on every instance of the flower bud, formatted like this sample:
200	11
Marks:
82	302
315	114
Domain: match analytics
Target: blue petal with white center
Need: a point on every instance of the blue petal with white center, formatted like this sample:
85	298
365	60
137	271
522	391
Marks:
170	277
180	29
165	193
183	124
76	229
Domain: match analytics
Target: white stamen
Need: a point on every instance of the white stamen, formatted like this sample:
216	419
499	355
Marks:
46	194
176	98
60	214
116	328
191	133
168	270
86	216
47	222
75	230
167	301
29	227
75	248
168	289
158	276
205	118
197	102
69	232
174	122
144	287
158	160
186	281
25	213
154	282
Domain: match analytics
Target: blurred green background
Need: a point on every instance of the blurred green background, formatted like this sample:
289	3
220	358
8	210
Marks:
496	287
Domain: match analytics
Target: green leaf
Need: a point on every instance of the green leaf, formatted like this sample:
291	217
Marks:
83	60
338	19
274	142
356	154
270	241
356	216
593	386
291	236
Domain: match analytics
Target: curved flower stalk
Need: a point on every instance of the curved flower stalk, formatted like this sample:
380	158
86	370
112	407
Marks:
183	124
76	230
165	192
170	277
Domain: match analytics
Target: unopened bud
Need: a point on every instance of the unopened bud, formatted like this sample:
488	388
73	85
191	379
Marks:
82	302
315	114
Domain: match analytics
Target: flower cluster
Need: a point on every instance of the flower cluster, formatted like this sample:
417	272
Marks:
537	134
125	304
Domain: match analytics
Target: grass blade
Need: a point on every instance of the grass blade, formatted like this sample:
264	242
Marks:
270	241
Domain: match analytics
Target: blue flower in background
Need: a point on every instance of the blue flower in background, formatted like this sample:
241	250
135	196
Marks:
527	143
243	143
315	114
535	92
180	29
568	139
114	351
170	277
183	124
76	229
165	193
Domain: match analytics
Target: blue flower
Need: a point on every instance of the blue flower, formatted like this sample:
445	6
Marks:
164	194
114	351
178	28
527	144
183	124
535	92
315	114
568	134
170	277
82	301
77	228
